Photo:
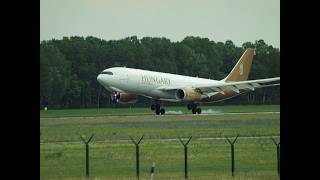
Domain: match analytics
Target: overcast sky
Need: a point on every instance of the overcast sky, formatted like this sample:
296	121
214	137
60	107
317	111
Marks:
218	20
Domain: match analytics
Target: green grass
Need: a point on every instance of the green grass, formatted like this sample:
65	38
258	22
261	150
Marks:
112	155
254	159
107	111
159	127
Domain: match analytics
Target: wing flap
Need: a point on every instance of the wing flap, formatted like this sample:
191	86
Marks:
234	88
217	89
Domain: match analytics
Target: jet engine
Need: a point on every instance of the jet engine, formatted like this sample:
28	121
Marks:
124	98
187	95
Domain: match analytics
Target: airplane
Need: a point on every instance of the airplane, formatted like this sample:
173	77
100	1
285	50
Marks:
125	84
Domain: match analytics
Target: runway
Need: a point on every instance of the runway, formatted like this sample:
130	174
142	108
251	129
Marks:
150	114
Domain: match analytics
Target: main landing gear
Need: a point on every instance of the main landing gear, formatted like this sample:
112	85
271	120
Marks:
157	108
194	108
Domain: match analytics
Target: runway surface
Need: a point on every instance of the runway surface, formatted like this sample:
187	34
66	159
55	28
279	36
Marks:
144	114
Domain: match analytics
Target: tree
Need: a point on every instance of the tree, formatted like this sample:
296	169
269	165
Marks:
54	74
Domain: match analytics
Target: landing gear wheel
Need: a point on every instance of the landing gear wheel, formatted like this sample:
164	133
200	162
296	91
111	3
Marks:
193	107
157	108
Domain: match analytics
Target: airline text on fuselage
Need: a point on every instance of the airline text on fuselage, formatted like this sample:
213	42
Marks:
147	79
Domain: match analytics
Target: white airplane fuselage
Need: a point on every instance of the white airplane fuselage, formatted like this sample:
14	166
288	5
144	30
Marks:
146	83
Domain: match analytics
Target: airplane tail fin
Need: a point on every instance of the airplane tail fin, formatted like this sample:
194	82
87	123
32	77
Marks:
240	71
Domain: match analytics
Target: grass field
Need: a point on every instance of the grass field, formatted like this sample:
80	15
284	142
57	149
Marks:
112	155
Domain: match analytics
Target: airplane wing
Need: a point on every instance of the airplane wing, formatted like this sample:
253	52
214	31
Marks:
221	86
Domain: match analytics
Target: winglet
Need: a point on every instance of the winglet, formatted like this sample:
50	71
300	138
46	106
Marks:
241	70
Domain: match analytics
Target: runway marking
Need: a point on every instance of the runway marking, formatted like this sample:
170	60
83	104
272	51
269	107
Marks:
137	115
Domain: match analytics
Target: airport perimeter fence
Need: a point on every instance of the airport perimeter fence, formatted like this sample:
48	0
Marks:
176	158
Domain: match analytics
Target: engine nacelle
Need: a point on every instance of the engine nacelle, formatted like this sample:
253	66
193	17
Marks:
187	95
125	98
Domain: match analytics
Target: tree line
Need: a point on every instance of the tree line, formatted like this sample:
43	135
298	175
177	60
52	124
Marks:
69	67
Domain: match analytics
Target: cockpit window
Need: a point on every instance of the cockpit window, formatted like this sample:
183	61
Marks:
107	72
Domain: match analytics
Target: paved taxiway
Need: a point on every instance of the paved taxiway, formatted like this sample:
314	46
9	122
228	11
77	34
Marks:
143	114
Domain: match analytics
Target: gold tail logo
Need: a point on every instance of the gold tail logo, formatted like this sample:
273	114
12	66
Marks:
241	70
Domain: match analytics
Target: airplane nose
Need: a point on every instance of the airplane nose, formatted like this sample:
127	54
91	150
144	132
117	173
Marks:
99	78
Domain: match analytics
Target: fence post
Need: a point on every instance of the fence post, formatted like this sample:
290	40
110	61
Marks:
185	156
278	154
87	153
99	98
152	170
137	154
232	154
